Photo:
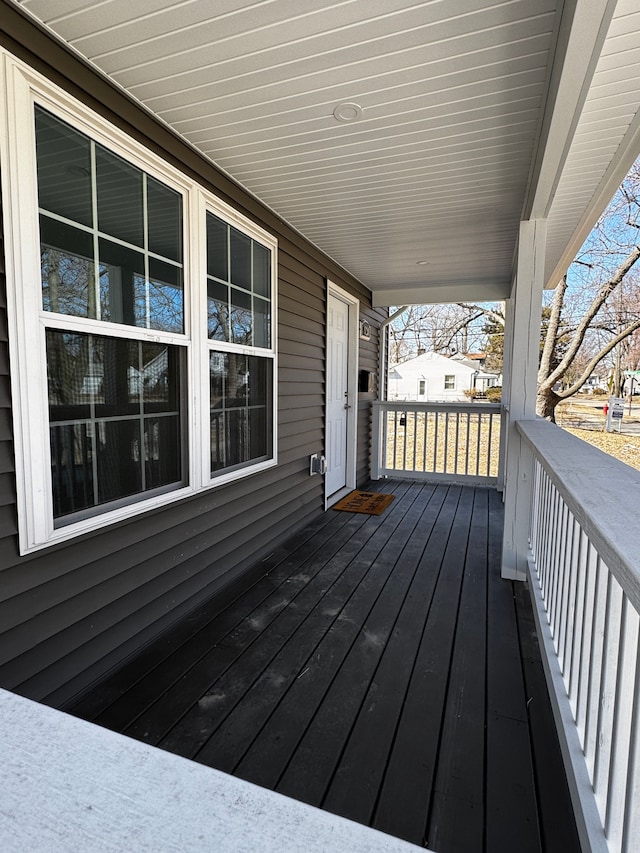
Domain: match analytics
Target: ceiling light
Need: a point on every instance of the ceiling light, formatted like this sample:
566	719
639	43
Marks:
421	263
347	112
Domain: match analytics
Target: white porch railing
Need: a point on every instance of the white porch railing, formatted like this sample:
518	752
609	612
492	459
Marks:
584	570
454	442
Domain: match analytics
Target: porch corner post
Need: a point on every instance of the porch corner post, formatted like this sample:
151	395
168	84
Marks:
522	362
376	440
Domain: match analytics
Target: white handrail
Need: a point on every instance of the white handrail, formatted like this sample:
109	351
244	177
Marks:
584	570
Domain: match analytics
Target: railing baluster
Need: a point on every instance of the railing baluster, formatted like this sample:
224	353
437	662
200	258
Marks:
566	591
572	670
623	720
395	438
425	417
580	683
445	458
606	714
404	442
456	468
596	653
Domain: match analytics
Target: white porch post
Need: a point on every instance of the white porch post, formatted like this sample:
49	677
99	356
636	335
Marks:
523	342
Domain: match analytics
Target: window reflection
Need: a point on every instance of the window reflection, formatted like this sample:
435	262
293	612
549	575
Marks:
240	398
115	418
135	240
238	286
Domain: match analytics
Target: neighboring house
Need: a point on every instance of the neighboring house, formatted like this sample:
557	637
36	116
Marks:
432	377
596	382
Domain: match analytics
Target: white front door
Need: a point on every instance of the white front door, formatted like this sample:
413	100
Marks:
341	396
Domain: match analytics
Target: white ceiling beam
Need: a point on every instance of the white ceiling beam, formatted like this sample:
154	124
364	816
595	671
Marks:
579	49
477	291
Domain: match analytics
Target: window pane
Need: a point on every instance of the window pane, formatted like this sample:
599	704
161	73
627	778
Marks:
119	198
240	317
165	297
218	311
119	461
261	322
241	390
72	468
261	270
64	169
159	378
74	379
163	452
258	439
123	297
164	216
240	259
217	251
116	418
68	270
259	380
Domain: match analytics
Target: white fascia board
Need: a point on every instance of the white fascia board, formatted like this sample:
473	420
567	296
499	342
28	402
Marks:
626	155
441	293
588	31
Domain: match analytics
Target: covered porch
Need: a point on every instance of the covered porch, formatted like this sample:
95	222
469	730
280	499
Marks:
385	669
376	667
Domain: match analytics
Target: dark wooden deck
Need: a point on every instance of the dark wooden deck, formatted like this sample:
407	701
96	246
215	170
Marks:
379	669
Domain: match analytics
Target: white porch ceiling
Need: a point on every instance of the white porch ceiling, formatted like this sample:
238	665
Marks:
474	114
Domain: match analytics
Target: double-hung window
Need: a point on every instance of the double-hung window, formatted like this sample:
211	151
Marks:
239	320
142	322
111	252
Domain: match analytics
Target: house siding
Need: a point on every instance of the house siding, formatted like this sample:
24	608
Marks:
72	612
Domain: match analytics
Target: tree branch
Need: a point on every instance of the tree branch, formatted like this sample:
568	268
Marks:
604	292
546	360
590	367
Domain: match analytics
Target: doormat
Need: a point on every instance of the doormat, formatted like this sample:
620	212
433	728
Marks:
372	503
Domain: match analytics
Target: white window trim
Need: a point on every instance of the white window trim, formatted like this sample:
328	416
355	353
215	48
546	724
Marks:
22	88
450	376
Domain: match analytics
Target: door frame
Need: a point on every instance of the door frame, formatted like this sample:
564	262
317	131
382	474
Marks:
353	305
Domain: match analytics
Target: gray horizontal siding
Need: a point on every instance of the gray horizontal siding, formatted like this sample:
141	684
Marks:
72	612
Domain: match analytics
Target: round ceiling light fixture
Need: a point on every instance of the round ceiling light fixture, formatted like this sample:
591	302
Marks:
347	112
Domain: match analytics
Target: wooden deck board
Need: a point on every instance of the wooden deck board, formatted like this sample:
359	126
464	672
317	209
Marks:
377	670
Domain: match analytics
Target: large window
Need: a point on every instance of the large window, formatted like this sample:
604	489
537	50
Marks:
238	314
111	249
143	336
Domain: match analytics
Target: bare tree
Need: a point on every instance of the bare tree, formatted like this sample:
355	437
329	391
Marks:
609	304
442	328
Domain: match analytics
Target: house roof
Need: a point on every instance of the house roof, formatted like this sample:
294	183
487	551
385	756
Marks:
468	116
